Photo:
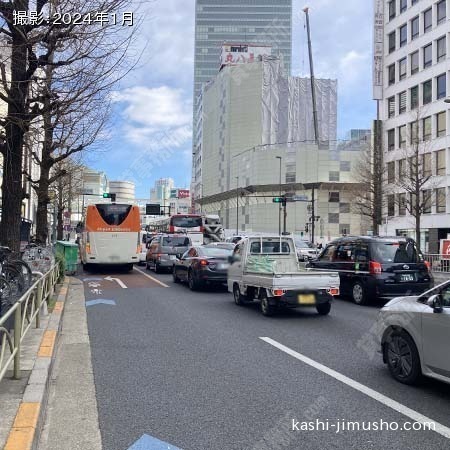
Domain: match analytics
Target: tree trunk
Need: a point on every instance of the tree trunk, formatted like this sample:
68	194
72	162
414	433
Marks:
60	224
12	189
42	209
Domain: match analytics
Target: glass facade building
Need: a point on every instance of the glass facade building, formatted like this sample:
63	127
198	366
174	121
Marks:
241	21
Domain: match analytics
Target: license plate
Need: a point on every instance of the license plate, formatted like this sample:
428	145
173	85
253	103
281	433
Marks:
223	266
306	299
407	277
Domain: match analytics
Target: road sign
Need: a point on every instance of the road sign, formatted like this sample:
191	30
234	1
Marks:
153	209
300	198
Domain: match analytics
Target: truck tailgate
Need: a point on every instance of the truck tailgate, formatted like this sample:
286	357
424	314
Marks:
298	280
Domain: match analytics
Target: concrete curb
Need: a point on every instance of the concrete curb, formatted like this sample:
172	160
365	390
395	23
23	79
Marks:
26	429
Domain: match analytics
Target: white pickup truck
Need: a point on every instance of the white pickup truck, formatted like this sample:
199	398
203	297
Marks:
266	268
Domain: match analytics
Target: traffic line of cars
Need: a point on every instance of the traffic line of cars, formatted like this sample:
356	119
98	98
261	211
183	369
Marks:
413	328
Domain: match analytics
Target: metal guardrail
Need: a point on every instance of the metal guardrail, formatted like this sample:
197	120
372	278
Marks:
439	263
25	311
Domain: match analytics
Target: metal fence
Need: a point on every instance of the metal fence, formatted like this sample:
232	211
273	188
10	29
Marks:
23	314
438	263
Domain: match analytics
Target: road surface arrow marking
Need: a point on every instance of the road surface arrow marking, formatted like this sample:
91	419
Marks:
119	282
147	442
100	301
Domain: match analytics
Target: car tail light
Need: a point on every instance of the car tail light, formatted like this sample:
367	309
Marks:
278	292
158	255
428	264
88	247
333	291
204	262
374	267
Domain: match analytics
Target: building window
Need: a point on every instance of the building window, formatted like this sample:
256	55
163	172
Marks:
345	166
391	106
401	168
414	62
427	55
426	128
427	20
426	201
391	205
403	35
403	5
441	12
391	74
441	49
344	229
414	96
392	5
344	208
391	172
333	217
440	200
333	197
441	124
401	69
402	204
426	165
440	162
391	139
402	102
414	27
333	176
402	136
426	92
414	132
391	40
441	86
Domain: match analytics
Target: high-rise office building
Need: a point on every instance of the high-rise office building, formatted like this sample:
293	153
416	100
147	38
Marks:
243	21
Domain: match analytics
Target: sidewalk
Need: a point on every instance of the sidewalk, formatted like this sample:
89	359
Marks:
71	421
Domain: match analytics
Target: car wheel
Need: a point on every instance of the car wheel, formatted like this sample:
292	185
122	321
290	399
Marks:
157	268
359	295
323	308
147	265
174	275
266	308
194	285
238	297
402	357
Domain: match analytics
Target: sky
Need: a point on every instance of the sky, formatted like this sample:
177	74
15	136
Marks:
150	131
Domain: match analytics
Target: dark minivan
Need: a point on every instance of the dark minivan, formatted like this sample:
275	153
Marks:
376	267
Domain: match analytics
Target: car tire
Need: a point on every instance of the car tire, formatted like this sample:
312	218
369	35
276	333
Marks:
129	267
157	269
147	266
359	294
267	309
194	285
402	357
323	308
238	297
174	275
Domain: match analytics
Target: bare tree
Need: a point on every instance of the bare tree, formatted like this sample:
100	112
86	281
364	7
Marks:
59	77
412	188
368	200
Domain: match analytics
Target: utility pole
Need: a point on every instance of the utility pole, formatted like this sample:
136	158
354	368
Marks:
313	215
237	206
279	208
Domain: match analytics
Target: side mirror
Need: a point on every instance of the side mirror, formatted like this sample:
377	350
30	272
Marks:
435	302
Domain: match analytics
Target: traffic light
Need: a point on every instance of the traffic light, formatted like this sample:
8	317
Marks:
278	200
109	195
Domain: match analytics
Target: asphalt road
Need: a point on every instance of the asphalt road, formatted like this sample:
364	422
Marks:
191	369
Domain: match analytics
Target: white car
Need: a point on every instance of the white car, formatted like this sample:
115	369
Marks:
305	250
415	332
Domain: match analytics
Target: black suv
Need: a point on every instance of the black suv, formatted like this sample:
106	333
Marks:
376	267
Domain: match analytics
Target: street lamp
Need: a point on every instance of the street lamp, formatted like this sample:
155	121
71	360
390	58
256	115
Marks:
279	208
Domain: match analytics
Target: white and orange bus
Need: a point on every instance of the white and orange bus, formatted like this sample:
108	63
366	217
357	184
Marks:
110	235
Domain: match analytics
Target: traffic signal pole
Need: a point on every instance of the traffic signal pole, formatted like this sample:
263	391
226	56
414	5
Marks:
313	214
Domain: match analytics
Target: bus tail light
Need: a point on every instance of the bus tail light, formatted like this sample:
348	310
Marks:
374	267
88	247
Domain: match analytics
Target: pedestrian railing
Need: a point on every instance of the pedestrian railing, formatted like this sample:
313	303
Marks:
16	322
438	263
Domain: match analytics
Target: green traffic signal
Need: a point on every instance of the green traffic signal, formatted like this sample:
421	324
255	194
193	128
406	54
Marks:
278	199
106	195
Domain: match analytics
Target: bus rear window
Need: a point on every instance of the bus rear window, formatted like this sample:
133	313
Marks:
113	214
186	222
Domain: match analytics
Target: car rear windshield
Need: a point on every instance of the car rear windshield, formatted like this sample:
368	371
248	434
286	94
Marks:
269	246
396	252
186	222
216	252
113	214
175	241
